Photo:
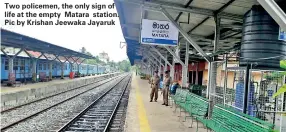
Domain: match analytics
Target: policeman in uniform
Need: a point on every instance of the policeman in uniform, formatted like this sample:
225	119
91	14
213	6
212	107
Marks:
155	80
167	82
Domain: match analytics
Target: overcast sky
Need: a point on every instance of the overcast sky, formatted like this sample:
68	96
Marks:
95	39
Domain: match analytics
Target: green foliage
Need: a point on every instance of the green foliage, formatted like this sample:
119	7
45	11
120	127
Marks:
280	91
124	65
283	64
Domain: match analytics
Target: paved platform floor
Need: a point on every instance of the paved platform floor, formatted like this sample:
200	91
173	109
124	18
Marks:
22	87
145	116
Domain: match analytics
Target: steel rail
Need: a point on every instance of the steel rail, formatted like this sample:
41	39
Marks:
43	110
74	119
116	108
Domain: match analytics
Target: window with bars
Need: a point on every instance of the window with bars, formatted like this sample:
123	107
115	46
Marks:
22	64
6	64
44	66
40	66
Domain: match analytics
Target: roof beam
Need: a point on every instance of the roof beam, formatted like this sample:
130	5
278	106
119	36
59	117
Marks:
130	25
174	55
187	5
155	58
275	12
165	59
223	7
215	13
202	22
179	8
187	37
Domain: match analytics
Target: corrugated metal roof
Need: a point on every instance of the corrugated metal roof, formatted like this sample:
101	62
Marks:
194	16
12	39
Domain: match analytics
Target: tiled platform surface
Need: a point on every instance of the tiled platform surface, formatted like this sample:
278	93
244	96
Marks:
145	116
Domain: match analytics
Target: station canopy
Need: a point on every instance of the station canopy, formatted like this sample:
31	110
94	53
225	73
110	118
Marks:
195	17
15	40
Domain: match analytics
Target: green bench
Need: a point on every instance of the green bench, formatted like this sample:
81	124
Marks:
224	119
231	120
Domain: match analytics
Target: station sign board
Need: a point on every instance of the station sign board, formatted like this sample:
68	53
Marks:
282	34
154	32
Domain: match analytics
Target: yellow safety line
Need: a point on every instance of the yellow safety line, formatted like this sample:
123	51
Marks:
143	121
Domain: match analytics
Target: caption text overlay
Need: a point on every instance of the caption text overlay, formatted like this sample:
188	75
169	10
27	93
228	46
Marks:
31	14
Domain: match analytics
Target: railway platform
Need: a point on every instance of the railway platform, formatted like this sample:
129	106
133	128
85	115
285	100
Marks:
145	116
28	86
16	95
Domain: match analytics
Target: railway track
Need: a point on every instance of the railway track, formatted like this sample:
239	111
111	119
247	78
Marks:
15	117
34	101
106	113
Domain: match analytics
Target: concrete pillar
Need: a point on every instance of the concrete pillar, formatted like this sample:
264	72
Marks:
172	72
166	65
62	70
10	68
225	79
11	65
214	64
159	68
185	67
34	70
77	68
197	74
71	65
50	70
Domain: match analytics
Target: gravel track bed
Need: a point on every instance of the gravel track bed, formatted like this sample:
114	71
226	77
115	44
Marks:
102	109
118	122
19	113
45	121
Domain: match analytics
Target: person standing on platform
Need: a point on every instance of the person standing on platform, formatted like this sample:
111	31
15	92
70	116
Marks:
155	80
167	82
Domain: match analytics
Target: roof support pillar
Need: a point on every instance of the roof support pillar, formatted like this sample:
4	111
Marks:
34	69
185	68
185	34
160	68
50	70
172	69
62	66
275	12
50	66
225	79
166	64
10	66
62	69
11	74
75	61
213	68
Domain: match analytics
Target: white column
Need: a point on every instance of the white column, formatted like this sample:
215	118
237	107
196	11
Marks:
172	70
159	68
11	65
166	65
185	67
34	69
50	70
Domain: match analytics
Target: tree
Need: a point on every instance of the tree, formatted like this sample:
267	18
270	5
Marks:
124	65
83	50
